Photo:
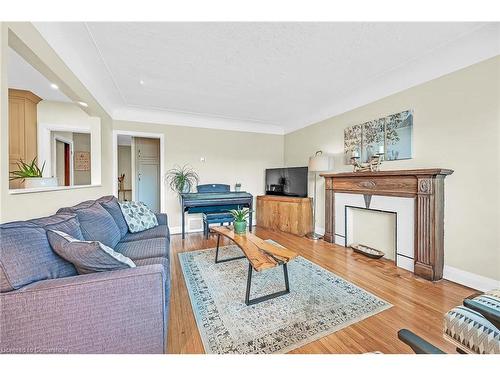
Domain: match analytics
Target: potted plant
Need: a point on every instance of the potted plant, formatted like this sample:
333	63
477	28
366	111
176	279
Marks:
31	175
182	179
240	220
237	186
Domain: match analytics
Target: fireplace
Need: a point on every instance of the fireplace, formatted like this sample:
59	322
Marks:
403	210
372	227
417	198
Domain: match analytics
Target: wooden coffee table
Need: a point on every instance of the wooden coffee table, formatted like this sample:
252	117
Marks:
261	255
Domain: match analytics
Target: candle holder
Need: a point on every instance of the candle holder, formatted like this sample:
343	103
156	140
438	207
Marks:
372	166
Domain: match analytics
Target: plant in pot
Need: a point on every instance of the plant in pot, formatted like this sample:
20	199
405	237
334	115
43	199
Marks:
32	175
240	220
182	179
237	186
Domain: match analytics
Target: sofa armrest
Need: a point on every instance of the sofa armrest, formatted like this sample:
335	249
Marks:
489	313
162	219
418	344
122	311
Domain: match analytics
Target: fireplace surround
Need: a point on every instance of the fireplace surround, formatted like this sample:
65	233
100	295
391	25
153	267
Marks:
424	187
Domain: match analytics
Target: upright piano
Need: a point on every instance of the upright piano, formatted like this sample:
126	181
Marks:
213	198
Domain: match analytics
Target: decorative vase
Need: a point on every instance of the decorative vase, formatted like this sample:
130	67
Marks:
38	182
237	188
240	227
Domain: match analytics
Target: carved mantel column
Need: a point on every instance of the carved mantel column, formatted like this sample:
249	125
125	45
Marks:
425	185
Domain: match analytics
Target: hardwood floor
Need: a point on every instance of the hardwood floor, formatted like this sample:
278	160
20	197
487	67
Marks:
419	304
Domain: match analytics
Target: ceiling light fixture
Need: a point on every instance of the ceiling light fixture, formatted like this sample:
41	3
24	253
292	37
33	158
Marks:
83	104
141	82
54	86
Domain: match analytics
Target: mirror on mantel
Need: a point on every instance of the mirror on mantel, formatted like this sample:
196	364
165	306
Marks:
53	142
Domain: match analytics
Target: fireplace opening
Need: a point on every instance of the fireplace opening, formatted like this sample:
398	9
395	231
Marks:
374	228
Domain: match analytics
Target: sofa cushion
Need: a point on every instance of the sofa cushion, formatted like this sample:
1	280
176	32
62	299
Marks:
470	331
111	205
26	256
96	223
156	232
150	248
87	256
138	216
67	223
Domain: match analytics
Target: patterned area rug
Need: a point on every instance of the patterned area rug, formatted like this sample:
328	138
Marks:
318	304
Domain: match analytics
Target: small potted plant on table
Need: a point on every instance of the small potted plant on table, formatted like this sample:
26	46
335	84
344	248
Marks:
240	220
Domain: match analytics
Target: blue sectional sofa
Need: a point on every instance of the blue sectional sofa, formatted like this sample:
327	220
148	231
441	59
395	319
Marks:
46	307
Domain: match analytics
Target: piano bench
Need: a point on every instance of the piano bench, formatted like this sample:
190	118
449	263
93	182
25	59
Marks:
216	217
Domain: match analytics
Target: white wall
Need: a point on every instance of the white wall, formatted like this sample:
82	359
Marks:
230	157
456	126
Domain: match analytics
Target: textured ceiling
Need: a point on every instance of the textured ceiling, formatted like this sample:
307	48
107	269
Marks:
281	75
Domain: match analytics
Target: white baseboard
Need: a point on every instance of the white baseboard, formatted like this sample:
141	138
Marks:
178	230
320	230
470	279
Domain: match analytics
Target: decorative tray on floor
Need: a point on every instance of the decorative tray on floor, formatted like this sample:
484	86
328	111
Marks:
367	250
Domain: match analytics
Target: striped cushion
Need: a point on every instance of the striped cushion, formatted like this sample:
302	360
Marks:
26	256
150	248
96	223
156	232
111	205
87	256
471	332
67	223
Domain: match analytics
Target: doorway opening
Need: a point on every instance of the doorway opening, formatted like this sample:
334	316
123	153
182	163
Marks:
63	158
138	168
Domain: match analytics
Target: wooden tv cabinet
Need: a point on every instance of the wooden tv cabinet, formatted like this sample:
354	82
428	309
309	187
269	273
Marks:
285	214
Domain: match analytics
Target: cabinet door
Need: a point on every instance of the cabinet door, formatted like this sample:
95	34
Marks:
30	131
16	129
16	137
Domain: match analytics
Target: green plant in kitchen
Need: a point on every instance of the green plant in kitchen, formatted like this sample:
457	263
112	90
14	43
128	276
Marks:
240	220
182	179
27	170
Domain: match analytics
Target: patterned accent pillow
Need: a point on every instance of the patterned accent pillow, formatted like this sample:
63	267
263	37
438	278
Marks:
138	216
87	256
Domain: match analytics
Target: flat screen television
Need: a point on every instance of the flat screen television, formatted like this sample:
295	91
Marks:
290	182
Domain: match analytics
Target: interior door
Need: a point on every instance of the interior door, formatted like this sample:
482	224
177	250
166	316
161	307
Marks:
147	156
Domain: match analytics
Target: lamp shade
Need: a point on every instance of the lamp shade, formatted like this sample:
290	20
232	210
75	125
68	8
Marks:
319	163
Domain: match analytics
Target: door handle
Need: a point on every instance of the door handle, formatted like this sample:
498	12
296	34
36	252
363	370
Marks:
139	176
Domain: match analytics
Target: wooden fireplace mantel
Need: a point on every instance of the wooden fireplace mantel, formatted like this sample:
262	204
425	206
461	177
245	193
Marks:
425	185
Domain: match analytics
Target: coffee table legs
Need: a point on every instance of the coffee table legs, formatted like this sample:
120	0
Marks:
249	301
217	260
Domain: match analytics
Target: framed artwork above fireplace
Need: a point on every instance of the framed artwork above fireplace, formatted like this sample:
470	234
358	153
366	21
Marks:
391	136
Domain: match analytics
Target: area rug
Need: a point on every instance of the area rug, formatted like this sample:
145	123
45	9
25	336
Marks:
318	304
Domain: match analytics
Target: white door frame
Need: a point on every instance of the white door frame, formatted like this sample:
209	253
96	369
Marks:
71	162
161	137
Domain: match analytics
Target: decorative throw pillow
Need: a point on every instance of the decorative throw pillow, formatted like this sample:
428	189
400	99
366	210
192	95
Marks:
87	256
138	216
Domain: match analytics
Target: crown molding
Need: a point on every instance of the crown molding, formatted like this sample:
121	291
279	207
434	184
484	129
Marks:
472	48
161	117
